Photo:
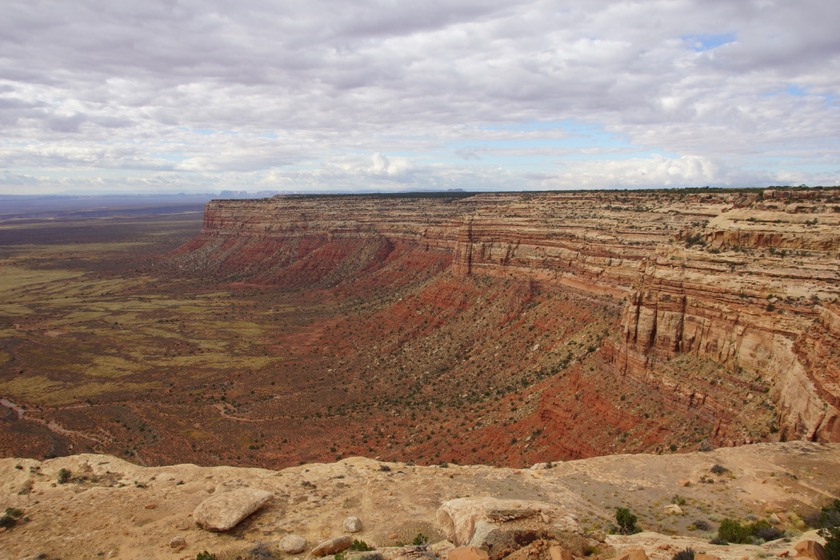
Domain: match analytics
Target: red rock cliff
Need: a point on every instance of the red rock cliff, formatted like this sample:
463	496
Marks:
750	281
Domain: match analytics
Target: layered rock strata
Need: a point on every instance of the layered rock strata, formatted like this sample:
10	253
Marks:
750	280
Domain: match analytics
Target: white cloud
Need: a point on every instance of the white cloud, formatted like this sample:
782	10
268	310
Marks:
213	91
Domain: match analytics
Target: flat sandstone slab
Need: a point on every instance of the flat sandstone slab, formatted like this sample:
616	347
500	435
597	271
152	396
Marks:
223	512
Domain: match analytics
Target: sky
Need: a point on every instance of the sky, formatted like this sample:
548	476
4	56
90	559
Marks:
159	96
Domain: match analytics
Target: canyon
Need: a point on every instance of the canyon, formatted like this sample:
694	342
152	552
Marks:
496	328
746	280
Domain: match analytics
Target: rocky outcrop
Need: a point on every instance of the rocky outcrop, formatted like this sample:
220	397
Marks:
473	521
293	544
332	546
103	511
225	511
747	280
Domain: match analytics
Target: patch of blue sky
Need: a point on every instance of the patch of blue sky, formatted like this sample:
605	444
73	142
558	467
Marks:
573	134
207	131
795	90
815	166
169	156
708	41
577	140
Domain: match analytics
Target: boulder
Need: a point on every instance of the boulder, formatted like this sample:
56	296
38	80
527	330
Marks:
352	524
222	512
178	543
332	546
673	509
469	521
364	555
557	552
810	549
703	556
293	544
633	554
411	552
467	553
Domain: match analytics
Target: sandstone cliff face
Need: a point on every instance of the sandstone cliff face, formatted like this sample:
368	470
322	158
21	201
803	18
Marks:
750	282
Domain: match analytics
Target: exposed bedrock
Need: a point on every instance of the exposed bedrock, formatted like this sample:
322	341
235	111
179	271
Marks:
749	280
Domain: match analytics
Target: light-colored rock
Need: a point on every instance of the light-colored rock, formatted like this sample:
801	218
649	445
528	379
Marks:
364	555
352	524
467	553
557	552
293	544
673	509
633	554
462	518
222	512
178	543
413	552
332	546
810	549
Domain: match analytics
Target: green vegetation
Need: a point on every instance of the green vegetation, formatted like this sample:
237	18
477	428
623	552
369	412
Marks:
626	521
360	546
829	524
205	556
731	531
64	476
10	517
719	469
687	554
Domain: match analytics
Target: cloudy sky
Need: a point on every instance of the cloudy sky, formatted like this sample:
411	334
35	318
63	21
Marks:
313	95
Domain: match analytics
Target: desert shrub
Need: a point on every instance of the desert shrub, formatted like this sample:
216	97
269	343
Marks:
10	518
700	525
730	531
260	551
765	531
360	546
718	540
719	469
678	500
687	554
626	521
205	556
64	476
420	540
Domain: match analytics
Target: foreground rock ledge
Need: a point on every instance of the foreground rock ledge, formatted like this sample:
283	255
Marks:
114	509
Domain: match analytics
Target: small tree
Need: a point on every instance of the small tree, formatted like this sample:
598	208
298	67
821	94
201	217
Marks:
832	543
830	529
626	521
733	532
